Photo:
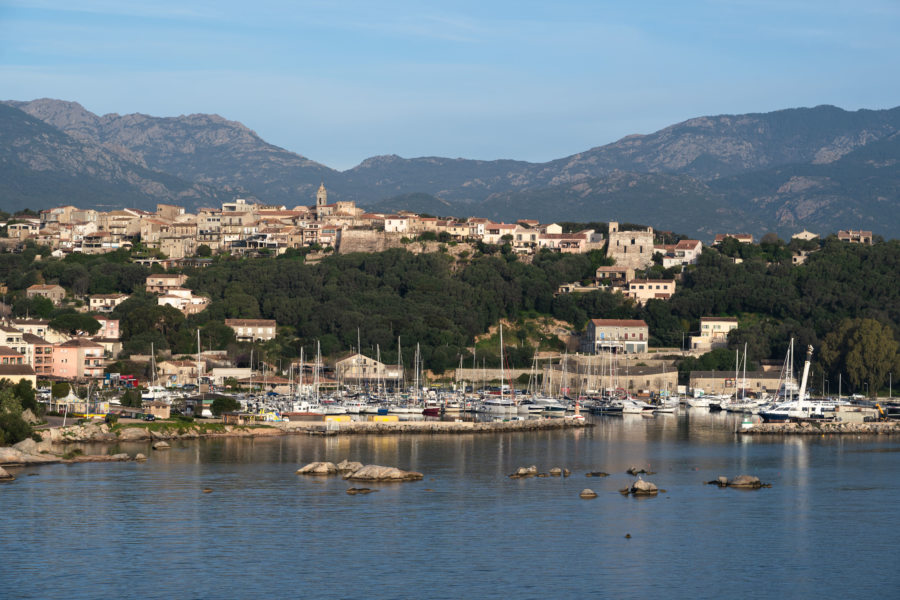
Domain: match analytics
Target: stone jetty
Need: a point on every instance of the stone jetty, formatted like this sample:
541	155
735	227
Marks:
101	432
820	428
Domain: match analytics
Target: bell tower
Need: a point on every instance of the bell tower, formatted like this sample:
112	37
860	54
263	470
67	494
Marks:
321	197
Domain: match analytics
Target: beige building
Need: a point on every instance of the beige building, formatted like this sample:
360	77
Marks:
184	300
105	303
359	369
251	330
724	382
179	372
615	335
852	236
160	284
55	293
17	373
642	290
588	374
713	333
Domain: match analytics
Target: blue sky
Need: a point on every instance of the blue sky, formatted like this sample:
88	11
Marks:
341	81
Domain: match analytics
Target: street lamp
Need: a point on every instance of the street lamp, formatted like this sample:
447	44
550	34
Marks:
867	388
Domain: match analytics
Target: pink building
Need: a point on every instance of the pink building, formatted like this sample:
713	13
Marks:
109	328
78	359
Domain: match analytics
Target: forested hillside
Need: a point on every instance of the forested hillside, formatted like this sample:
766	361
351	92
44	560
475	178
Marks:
442	303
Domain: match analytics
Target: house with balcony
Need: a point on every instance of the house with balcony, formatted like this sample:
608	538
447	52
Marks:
161	284
856	236
78	359
106	303
184	300
251	330
642	290
713	333
626	336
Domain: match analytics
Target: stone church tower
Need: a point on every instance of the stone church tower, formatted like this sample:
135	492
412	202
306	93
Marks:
321	197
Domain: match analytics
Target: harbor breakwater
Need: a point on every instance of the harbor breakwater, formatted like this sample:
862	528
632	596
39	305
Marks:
167	431
820	428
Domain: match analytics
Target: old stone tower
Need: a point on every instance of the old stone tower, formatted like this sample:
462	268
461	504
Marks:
632	249
321	196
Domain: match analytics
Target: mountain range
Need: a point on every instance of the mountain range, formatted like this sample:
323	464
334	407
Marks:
819	168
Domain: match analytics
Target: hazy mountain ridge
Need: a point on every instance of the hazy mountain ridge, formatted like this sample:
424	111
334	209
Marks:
40	162
820	168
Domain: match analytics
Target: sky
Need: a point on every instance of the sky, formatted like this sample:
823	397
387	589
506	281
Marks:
340	81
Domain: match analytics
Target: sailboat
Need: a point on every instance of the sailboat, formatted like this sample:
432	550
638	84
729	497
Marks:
154	391
799	407
500	405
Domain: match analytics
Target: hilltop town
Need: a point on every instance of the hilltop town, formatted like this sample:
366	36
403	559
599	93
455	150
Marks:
635	262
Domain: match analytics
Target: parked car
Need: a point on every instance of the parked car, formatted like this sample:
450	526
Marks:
149	418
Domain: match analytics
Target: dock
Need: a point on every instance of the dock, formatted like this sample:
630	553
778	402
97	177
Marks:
428	427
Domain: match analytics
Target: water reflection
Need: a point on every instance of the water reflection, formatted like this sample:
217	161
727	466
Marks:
467	530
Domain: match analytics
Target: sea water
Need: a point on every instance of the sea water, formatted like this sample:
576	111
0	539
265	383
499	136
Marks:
826	528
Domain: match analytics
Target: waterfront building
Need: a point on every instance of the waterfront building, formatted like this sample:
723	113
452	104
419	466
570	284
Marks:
615	335
358	369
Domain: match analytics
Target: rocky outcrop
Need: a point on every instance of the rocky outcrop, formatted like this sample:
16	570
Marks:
639	471
596	474
14	456
134	434
522	472
641	488
318	468
355	491
747	482
380	473
140	457
587	494
6	475
347	466
161	446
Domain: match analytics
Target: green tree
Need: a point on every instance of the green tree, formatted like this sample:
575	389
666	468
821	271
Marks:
73	323
131	398
13	428
864	350
224	404
60	389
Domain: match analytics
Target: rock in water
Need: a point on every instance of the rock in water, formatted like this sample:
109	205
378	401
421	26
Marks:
525	472
133	434
555	471
380	473
745	481
140	457
596	474
5	475
354	491
566	472
635	470
318	468
161	446
643	488
346	466
587	493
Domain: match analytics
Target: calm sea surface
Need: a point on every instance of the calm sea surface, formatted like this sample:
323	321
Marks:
828	528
